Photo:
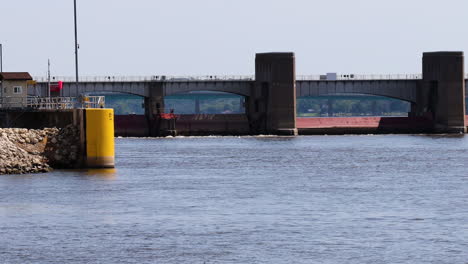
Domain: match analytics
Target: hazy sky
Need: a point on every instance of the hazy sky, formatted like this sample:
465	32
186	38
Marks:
198	37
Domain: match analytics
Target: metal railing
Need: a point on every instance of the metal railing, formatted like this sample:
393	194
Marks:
94	101
359	77
153	78
166	78
51	103
13	102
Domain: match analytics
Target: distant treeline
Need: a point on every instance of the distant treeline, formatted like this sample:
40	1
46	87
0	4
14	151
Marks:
125	104
348	106
308	106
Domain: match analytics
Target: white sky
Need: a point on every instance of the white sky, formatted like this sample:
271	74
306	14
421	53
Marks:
221	37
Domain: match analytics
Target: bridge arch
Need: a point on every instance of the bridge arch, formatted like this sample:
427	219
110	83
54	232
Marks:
206	102
357	95
105	93
404	90
351	104
122	103
69	88
242	88
145	88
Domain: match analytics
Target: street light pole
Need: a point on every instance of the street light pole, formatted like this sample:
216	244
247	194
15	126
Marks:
48	78
1	71
1	58
76	49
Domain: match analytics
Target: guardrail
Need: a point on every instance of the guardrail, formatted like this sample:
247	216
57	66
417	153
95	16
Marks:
359	77
13	102
51	103
153	78
166	78
94	101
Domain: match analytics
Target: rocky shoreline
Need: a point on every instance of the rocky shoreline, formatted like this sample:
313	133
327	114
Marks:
34	151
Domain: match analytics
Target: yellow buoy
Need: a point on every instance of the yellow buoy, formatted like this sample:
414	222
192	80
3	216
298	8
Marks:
100	152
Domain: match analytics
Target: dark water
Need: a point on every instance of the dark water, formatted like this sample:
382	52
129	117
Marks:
323	199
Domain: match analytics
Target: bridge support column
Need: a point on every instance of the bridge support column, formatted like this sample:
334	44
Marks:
272	104
197	105
154	105
330	107
443	90
374	108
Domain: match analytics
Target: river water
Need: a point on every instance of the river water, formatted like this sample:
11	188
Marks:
318	199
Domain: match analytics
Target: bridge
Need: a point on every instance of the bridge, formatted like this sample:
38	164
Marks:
271	94
401	87
398	86
142	85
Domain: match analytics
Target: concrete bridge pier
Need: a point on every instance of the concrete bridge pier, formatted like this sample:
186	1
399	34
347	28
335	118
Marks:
374	108
197	105
330	103
442	91
271	107
154	105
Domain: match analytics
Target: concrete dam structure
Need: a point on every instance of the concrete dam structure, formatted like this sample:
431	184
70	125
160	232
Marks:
437	99
92	133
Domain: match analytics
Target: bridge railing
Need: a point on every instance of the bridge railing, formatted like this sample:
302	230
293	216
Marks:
13	102
94	101
167	78
358	77
51	103
152	78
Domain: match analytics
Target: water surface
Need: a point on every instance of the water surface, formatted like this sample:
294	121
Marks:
319	199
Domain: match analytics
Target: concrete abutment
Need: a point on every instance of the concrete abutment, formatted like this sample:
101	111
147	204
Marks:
154	105
441	92
90	131
272	104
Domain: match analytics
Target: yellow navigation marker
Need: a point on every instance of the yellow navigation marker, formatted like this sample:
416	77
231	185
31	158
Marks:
100	152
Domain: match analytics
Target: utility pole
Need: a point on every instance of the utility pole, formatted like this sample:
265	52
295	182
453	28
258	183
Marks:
76	50
1	58
48	78
1	71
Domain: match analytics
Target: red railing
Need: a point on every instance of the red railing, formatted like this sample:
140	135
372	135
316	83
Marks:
165	116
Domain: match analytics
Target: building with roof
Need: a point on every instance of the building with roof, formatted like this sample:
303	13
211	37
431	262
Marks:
14	89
